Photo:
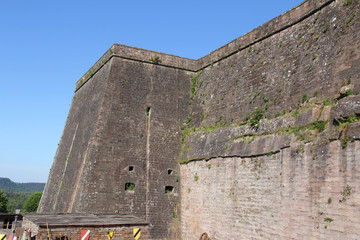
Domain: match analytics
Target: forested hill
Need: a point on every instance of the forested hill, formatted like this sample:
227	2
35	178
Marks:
9	186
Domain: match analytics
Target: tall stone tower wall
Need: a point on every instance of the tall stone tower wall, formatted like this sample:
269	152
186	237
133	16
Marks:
123	130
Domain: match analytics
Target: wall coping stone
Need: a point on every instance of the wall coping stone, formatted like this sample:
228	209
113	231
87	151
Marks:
266	30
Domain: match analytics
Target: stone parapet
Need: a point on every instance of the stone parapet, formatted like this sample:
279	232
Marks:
276	25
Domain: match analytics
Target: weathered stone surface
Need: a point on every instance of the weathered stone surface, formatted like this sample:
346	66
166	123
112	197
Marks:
119	125
259	145
136	112
214	143
325	114
286	195
308	116
270	126
229	142
353	131
345	89
241	192
347	107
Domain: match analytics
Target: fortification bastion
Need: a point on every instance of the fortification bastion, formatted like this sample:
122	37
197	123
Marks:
256	140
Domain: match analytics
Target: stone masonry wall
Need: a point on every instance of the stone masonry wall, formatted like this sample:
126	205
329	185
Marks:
320	53
119	149
138	130
266	131
71	154
286	195
269	148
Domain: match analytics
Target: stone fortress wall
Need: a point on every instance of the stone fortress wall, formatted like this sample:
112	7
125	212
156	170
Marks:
123	130
256	140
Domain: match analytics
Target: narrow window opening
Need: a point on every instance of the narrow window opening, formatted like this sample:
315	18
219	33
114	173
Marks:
170	171
130	187
131	168
7	223
148	111
169	189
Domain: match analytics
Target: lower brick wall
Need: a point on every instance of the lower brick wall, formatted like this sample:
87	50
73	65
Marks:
125	232
308	194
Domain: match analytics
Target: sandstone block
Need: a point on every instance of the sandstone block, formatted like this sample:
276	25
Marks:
347	107
345	89
325	114
353	131
308	116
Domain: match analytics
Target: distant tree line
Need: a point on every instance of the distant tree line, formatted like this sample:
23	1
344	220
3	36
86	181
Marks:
6	185
23	195
27	202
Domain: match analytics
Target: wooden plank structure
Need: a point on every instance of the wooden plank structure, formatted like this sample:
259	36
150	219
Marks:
61	226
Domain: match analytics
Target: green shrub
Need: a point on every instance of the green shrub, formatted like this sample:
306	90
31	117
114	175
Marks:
318	125
188	119
349	92
315	93
32	202
304	97
347	191
196	177
257	115
130	187
327	102
327	219
155	59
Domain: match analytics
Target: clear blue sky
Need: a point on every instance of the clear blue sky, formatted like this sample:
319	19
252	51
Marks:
46	46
